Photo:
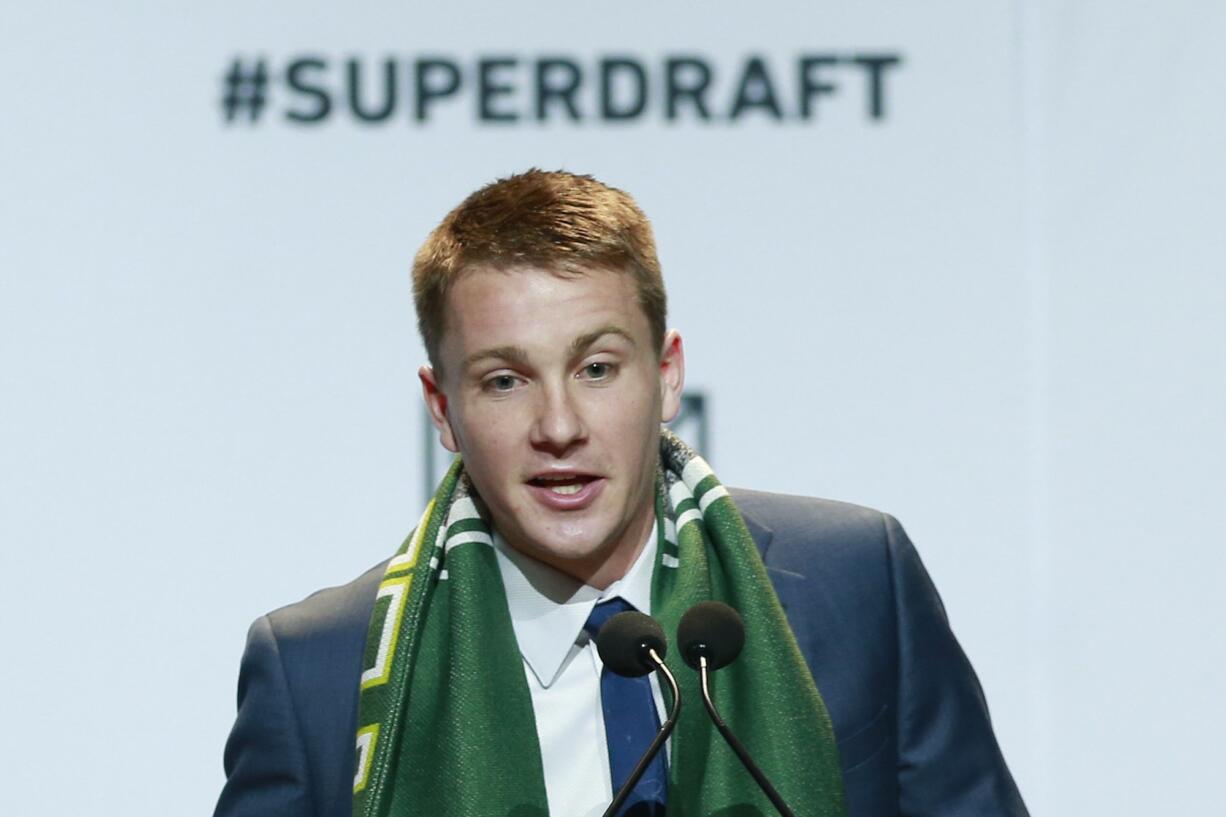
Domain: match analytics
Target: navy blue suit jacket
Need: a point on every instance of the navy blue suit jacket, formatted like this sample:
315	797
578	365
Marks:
909	715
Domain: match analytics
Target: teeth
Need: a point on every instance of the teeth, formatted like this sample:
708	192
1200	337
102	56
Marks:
572	488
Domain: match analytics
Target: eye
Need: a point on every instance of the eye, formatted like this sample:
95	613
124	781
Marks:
500	383
598	371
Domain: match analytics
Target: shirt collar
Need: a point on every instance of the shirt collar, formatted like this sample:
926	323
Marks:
548	608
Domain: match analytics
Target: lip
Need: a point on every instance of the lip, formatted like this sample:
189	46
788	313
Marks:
577	501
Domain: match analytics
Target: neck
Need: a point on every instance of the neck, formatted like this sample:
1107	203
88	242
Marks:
604	567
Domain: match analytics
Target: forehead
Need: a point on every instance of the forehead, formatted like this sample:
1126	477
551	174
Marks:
537	310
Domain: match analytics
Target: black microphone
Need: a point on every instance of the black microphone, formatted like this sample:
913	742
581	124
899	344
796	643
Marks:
711	636
632	644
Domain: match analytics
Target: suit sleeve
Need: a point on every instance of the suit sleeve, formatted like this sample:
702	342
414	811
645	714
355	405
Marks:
949	764
266	770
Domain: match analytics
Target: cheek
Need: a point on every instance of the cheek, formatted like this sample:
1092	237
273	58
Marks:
488	437
630	424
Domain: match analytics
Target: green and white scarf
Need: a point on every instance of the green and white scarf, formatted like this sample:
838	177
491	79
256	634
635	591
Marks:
445	720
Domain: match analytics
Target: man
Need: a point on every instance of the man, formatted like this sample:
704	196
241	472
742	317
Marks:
464	666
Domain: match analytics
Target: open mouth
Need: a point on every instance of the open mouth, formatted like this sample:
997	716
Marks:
563	485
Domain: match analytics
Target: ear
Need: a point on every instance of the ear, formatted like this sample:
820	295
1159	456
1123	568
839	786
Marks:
436	404
672	375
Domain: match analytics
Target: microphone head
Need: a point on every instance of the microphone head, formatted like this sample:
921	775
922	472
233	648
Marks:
624	641
711	629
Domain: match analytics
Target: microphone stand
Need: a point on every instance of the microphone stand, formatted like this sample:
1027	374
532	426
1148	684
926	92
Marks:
736	745
661	736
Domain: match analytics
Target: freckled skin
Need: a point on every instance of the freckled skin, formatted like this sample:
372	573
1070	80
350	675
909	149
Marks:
538	405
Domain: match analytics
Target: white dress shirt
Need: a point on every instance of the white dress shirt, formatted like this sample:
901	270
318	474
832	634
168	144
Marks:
548	611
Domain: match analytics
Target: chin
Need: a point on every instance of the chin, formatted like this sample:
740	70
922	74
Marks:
576	548
567	545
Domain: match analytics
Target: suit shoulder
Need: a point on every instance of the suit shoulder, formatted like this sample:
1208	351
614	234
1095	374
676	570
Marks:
309	660
328	613
845	544
810	519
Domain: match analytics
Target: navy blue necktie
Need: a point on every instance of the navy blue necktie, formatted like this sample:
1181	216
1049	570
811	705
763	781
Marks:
630	723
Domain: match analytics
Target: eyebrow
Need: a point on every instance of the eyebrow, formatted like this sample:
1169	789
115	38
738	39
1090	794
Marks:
585	340
515	354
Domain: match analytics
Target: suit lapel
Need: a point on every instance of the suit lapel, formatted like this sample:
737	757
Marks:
761	534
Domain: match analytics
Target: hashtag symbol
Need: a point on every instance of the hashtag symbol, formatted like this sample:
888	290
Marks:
244	87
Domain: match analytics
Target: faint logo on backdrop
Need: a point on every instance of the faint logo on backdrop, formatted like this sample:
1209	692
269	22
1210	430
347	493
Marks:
311	89
690	425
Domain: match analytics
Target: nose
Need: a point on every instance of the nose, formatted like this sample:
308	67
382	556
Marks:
559	425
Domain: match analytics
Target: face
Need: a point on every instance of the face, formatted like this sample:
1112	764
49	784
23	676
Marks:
553	393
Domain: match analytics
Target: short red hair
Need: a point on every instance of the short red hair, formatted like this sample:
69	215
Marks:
552	220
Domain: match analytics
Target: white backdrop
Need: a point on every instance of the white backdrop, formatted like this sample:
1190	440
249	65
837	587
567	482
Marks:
995	311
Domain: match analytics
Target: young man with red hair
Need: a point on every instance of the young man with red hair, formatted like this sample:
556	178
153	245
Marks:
460	677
